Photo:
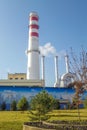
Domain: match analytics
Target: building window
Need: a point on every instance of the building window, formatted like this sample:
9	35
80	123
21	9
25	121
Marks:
22	78
16	78
11	78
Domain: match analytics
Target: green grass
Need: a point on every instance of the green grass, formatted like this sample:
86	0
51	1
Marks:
11	120
68	115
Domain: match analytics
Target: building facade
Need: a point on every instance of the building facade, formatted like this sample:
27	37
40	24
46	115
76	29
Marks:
16	76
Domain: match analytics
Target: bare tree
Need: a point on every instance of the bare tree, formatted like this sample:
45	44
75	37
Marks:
78	66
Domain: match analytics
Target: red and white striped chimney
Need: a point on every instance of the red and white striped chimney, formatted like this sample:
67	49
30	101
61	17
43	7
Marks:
33	48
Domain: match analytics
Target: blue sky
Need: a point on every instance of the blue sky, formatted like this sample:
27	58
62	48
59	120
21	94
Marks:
63	23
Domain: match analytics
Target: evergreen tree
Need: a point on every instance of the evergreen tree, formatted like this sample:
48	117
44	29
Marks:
3	106
13	105
42	103
22	104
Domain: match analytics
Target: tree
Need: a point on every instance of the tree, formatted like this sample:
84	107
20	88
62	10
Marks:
78	66
42	103
22	104
56	104
3	106
13	105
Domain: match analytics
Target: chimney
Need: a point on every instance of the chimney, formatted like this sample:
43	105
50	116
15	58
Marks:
67	63
56	84
33	48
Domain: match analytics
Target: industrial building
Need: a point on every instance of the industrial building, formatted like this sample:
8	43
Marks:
29	84
32	77
16	76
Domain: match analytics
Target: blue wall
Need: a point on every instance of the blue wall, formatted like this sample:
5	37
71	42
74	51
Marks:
10	93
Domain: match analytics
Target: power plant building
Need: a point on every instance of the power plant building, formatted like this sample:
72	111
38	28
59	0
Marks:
32	77
30	83
16	76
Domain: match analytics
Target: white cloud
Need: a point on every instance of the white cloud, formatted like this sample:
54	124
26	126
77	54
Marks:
48	50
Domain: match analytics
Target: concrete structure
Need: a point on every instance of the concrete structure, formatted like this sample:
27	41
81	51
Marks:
16	76
33	48
15	83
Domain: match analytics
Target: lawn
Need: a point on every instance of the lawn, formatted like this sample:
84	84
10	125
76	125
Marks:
11	120
68	115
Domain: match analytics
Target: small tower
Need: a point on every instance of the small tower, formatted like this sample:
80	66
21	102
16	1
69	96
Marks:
56	84
33	48
67	63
